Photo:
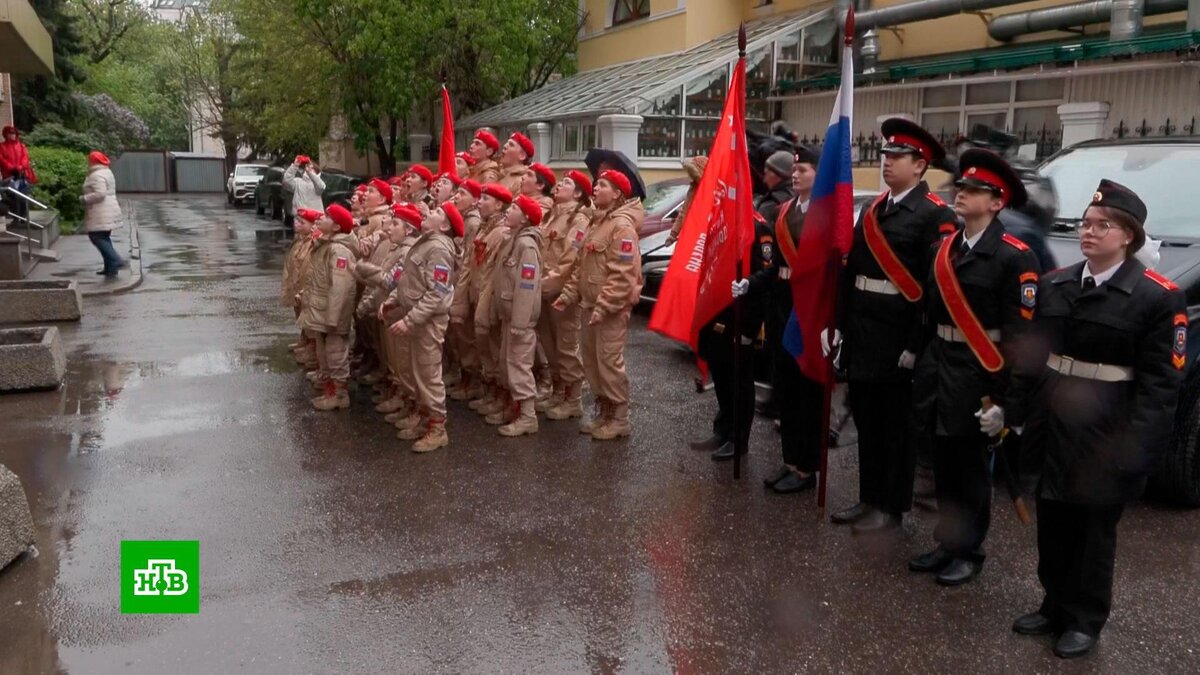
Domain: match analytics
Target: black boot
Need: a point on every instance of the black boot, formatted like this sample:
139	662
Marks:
851	515
707	445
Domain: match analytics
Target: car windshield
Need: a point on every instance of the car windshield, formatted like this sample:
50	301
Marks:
250	170
663	195
1162	175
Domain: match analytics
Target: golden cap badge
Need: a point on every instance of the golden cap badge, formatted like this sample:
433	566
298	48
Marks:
971	171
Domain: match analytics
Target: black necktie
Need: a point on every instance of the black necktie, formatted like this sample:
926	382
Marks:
964	248
1089	283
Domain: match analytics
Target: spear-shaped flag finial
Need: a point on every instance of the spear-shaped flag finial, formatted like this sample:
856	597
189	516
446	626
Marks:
742	39
849	31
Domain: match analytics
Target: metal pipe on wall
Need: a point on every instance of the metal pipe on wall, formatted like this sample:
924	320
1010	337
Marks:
921	10
1009	26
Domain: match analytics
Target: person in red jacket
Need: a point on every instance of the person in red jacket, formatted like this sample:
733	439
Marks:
15	169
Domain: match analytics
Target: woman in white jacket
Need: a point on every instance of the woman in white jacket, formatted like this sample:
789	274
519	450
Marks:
102	213
304	180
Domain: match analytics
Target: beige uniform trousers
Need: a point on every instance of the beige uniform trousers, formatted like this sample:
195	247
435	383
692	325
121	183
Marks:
333	355
462	336
604	356
426	340
517	356
558	332
399	362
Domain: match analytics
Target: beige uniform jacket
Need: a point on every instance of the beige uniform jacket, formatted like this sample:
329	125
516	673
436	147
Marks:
562	239
295	270
608	276
487	171
460	307
328	298
426	284
375	274
371	232
511	178
518	280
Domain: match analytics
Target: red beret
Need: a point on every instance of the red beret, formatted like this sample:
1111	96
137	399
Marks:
618	180
488	138
523	141
308	214
303	159
407	212
466	157
581	181
531	209
396	180
472	186
455	218
421	171
499	192
544	173
97	157
384	189
338	214
450	176
362	187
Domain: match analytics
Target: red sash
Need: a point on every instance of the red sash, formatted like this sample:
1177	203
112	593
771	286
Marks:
895	270
956	303
783	236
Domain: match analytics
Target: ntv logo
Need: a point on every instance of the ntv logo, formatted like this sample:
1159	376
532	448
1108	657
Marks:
160	577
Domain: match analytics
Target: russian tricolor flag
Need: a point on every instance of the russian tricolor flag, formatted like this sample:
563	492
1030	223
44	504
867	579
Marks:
827	233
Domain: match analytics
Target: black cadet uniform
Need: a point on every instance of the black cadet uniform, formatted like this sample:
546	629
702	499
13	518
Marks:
1101	428
998	280
716	344
878	324
800	399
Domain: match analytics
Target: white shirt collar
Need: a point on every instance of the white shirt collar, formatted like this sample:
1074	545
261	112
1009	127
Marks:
971	241
804	206
897	198
1103	276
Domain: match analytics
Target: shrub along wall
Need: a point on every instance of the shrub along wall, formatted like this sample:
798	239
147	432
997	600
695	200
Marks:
60	176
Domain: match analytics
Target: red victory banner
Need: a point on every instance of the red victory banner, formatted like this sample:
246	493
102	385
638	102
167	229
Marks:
446	149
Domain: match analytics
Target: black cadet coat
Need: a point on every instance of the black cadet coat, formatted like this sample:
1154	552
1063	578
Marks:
1101	439
763	255
877	328
949	380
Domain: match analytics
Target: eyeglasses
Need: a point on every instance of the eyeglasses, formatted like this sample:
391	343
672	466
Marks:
1100	227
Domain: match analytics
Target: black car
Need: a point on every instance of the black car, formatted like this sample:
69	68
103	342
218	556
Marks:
274	198
1163	172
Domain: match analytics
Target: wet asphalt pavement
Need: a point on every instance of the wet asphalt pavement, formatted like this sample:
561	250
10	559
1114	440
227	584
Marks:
326	546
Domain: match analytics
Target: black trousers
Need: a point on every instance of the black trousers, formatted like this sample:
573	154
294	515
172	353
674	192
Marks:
801	404
963	482
735	399
1077	546
886	460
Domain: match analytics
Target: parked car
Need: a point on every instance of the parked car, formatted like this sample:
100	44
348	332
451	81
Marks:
1162	171
662	204
275	198
241	184
656	253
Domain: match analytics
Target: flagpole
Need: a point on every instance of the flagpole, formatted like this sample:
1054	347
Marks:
739	440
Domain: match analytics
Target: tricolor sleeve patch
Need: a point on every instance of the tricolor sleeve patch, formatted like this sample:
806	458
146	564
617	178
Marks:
528	271
342	263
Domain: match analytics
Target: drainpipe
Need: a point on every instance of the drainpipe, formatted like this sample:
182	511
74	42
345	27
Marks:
1126	20
1009	26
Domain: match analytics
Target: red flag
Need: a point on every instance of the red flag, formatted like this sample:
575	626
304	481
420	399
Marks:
717	232
446	151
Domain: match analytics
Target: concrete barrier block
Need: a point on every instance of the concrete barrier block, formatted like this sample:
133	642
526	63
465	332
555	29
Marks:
16	525
31	358
39	301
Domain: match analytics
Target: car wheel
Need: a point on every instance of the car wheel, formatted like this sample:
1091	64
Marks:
1177	480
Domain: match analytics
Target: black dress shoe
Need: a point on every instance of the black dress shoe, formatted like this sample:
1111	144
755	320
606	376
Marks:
959	572
766	409
723	453
1033	624
779	475
851	515
794	482
934	561
707	445
875	521
1073	643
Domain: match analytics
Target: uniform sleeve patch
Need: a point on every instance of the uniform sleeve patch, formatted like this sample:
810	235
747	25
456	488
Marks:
1179	344
578	241
626	253
767	250
528	271
1028	298
342	263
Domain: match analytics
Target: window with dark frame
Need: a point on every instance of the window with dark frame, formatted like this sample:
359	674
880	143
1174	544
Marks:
625	11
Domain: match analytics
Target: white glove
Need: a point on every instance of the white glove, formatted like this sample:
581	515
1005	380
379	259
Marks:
828	346
907	360
740	288
991	421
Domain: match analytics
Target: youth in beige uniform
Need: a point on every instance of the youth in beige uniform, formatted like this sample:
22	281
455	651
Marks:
517	290
488	241
295	271
606	284
538	184
377	216
562	239
328	301
462	332
483	149
422	298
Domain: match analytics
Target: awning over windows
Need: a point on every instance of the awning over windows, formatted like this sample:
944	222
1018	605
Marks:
25	46
1009	59
632	87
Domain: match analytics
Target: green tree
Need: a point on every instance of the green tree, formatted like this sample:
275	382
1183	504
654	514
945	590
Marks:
105	24
38	99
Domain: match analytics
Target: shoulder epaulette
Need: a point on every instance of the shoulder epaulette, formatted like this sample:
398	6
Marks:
932	196
1161	280
758	217
1014	242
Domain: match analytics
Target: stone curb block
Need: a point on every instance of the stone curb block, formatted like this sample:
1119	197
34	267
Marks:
31	358
39	301
16	524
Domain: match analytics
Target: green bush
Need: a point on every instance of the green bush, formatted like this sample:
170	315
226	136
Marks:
53	135
60	175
